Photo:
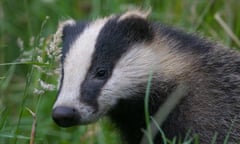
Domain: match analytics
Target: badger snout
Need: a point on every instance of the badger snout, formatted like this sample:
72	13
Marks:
65	116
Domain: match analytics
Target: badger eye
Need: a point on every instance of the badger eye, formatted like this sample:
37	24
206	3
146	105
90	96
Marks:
101	73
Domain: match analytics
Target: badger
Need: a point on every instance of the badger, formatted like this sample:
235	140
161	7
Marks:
105	70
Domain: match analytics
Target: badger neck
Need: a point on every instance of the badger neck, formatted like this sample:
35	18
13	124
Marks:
128	114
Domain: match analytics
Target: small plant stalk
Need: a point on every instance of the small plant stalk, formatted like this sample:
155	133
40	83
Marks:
34	125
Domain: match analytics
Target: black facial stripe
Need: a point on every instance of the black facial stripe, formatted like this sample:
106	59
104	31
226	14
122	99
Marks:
115	39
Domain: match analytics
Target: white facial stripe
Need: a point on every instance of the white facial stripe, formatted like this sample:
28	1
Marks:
76	64
132	69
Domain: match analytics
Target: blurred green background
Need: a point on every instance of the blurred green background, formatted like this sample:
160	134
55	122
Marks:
26	31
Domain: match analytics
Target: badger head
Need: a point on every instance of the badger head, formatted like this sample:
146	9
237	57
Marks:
102	62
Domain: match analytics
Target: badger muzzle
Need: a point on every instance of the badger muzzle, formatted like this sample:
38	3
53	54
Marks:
65	116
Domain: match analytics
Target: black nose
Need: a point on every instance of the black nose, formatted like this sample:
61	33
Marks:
65	116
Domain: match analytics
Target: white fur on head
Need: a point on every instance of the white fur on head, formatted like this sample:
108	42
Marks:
58	35
76	64
135	67
132	69
135	13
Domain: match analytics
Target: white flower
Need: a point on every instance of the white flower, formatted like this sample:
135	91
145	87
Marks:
20	44
39	59
46	86
38	91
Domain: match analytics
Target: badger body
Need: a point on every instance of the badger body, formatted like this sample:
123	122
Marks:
105	70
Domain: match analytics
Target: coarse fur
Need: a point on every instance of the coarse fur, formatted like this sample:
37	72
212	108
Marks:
105	70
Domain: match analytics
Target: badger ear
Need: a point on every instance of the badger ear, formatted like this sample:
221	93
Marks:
135	13
69	30
63	26
64	32
135	25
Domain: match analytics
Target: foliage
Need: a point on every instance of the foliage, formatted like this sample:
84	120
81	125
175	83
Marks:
29	57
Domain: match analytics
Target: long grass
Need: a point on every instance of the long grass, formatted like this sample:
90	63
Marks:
27	70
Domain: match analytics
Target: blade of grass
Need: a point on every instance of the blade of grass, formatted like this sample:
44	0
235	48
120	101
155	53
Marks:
187	136
164	138
147	138
5	82
204	14
227	29
25	95
214	138
148	134
101	137
229	131
24	63
3	117
173	99
174	141
34	124
15	136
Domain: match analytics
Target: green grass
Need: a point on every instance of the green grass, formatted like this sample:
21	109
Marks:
21	21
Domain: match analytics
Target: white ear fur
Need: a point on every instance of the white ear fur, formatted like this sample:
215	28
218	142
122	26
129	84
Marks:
135	13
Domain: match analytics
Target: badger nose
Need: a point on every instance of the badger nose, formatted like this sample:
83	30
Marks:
65	116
